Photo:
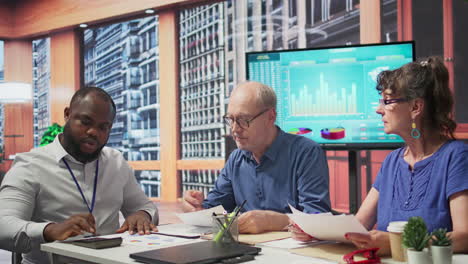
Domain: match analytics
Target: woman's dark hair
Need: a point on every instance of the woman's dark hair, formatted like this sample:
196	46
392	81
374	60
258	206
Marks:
426	79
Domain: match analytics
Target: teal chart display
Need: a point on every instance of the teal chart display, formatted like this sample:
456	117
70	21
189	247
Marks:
328	94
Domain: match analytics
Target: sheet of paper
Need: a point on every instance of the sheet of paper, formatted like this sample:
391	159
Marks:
201	218
290	243
327	226
332	251
185	230
149	241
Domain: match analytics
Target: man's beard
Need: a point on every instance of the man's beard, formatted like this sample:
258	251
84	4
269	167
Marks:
73	147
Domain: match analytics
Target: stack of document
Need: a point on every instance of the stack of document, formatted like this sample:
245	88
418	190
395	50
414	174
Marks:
202	217
326	226
194	224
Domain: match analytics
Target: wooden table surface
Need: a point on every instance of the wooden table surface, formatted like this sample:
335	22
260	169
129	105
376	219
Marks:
168	211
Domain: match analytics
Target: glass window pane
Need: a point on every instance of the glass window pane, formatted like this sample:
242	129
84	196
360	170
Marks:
202	82
201	180
150	182
122	58
389	21
41	87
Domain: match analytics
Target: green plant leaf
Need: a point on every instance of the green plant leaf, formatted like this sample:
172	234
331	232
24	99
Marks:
415	234
439	237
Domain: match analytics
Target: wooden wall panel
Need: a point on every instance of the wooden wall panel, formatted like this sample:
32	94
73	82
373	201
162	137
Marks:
215	164
145	165
6	21
18	130
18	124
44	16
169	95
404	20
369	21
65	72
18	61
462	131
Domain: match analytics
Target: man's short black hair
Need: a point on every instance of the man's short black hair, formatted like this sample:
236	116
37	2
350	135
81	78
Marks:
81	93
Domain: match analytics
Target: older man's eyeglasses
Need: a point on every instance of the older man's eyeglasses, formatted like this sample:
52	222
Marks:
241	122
386	103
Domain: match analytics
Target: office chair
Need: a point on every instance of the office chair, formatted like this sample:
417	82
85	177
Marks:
16	258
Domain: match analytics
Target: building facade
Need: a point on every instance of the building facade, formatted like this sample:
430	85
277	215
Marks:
41	87
202	91
122	59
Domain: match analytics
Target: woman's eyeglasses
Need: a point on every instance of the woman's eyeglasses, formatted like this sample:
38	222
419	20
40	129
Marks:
386	103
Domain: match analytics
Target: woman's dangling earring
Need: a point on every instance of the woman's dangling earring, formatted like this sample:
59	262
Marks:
415	133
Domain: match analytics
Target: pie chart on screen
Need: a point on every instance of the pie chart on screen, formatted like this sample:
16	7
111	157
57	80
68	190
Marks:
300	131
333	133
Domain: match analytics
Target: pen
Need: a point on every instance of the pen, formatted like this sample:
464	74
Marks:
222	226
236	212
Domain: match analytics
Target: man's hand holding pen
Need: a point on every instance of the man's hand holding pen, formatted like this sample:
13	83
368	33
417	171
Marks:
73	226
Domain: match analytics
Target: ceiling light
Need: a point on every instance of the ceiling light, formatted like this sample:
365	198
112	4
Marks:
83	25
149	11
15	92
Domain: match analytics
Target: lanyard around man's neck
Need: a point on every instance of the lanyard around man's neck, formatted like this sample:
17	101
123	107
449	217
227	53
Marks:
90	208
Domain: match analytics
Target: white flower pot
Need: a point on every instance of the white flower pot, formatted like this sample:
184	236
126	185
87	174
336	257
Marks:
441	255
418	257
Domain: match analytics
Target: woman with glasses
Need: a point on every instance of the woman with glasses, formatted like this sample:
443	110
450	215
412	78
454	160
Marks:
428	177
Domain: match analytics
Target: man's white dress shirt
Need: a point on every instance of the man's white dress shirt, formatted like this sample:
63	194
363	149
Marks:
39	189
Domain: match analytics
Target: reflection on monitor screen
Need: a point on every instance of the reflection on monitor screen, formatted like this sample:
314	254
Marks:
328	94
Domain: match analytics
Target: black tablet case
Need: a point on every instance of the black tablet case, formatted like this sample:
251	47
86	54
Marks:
200	252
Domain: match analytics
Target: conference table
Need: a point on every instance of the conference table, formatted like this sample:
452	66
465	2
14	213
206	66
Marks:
69	253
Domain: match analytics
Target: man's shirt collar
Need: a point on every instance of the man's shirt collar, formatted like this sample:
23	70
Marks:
272	151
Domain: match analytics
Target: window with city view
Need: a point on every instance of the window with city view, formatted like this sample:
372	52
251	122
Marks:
41	87
122	58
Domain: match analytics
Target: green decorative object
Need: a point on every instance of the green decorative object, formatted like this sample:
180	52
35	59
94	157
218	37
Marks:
439	238
415	234
50	134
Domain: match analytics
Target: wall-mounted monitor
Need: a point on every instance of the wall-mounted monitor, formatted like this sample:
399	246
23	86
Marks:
328	94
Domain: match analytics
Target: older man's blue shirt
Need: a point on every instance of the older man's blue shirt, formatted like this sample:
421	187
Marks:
293	170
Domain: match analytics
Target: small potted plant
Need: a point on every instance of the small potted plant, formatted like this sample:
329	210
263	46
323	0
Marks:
415	239
441	247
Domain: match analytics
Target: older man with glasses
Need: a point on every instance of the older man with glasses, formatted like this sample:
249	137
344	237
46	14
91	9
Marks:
270	169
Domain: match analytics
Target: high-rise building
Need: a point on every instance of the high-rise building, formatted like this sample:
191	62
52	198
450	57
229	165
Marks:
285	24
122	59
202	91
41	87
202	82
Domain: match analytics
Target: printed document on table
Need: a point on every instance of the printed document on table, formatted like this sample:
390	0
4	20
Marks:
326	226
151	241
201	218
183	230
